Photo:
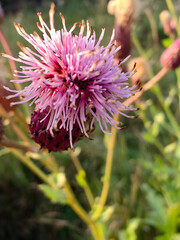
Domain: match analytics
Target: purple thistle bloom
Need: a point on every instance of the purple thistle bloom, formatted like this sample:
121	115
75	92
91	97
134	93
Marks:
71	76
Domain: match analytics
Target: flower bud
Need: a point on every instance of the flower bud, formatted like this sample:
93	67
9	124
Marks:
123	40
59	138
125	11
167	22
170	58
165	17
141	74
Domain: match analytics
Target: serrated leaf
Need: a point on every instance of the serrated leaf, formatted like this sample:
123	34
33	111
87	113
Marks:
55	196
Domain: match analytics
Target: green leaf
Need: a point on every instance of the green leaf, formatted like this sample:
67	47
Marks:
148	137
167	42
55	196
130	232
80	178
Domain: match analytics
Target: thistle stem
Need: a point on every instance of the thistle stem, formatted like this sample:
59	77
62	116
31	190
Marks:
159	93
79	168
147	86
107	175
5	142
153	27
111	145
72	201
27	161
178	83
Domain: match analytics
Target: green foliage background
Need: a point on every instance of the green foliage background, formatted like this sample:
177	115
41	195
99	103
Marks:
144	198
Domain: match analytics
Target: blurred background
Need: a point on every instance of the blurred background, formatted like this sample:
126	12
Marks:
144	198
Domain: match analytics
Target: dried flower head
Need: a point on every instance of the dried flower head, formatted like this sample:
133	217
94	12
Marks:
165	16
123	40
1	128
71	77
125	11
141	70
170	58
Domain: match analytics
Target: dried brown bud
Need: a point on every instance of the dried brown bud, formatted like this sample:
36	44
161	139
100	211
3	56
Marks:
123	40
170	58
1	128
125	11
141	74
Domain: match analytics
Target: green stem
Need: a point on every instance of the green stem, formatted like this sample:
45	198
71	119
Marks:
138	45
167	110
72	201
178	83
27	161
173	13
86	187
107	175
158	90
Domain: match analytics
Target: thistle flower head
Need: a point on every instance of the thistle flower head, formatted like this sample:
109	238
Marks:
170	58
70	77
59	140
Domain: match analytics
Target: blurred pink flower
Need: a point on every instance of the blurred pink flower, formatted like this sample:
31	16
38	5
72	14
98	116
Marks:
170	58
71	76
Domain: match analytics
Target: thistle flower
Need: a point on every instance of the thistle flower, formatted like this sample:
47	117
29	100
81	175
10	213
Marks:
170	58
71	78
59	141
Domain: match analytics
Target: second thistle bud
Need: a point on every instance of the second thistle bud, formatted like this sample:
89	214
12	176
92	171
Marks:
170	58
168	23
141	74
